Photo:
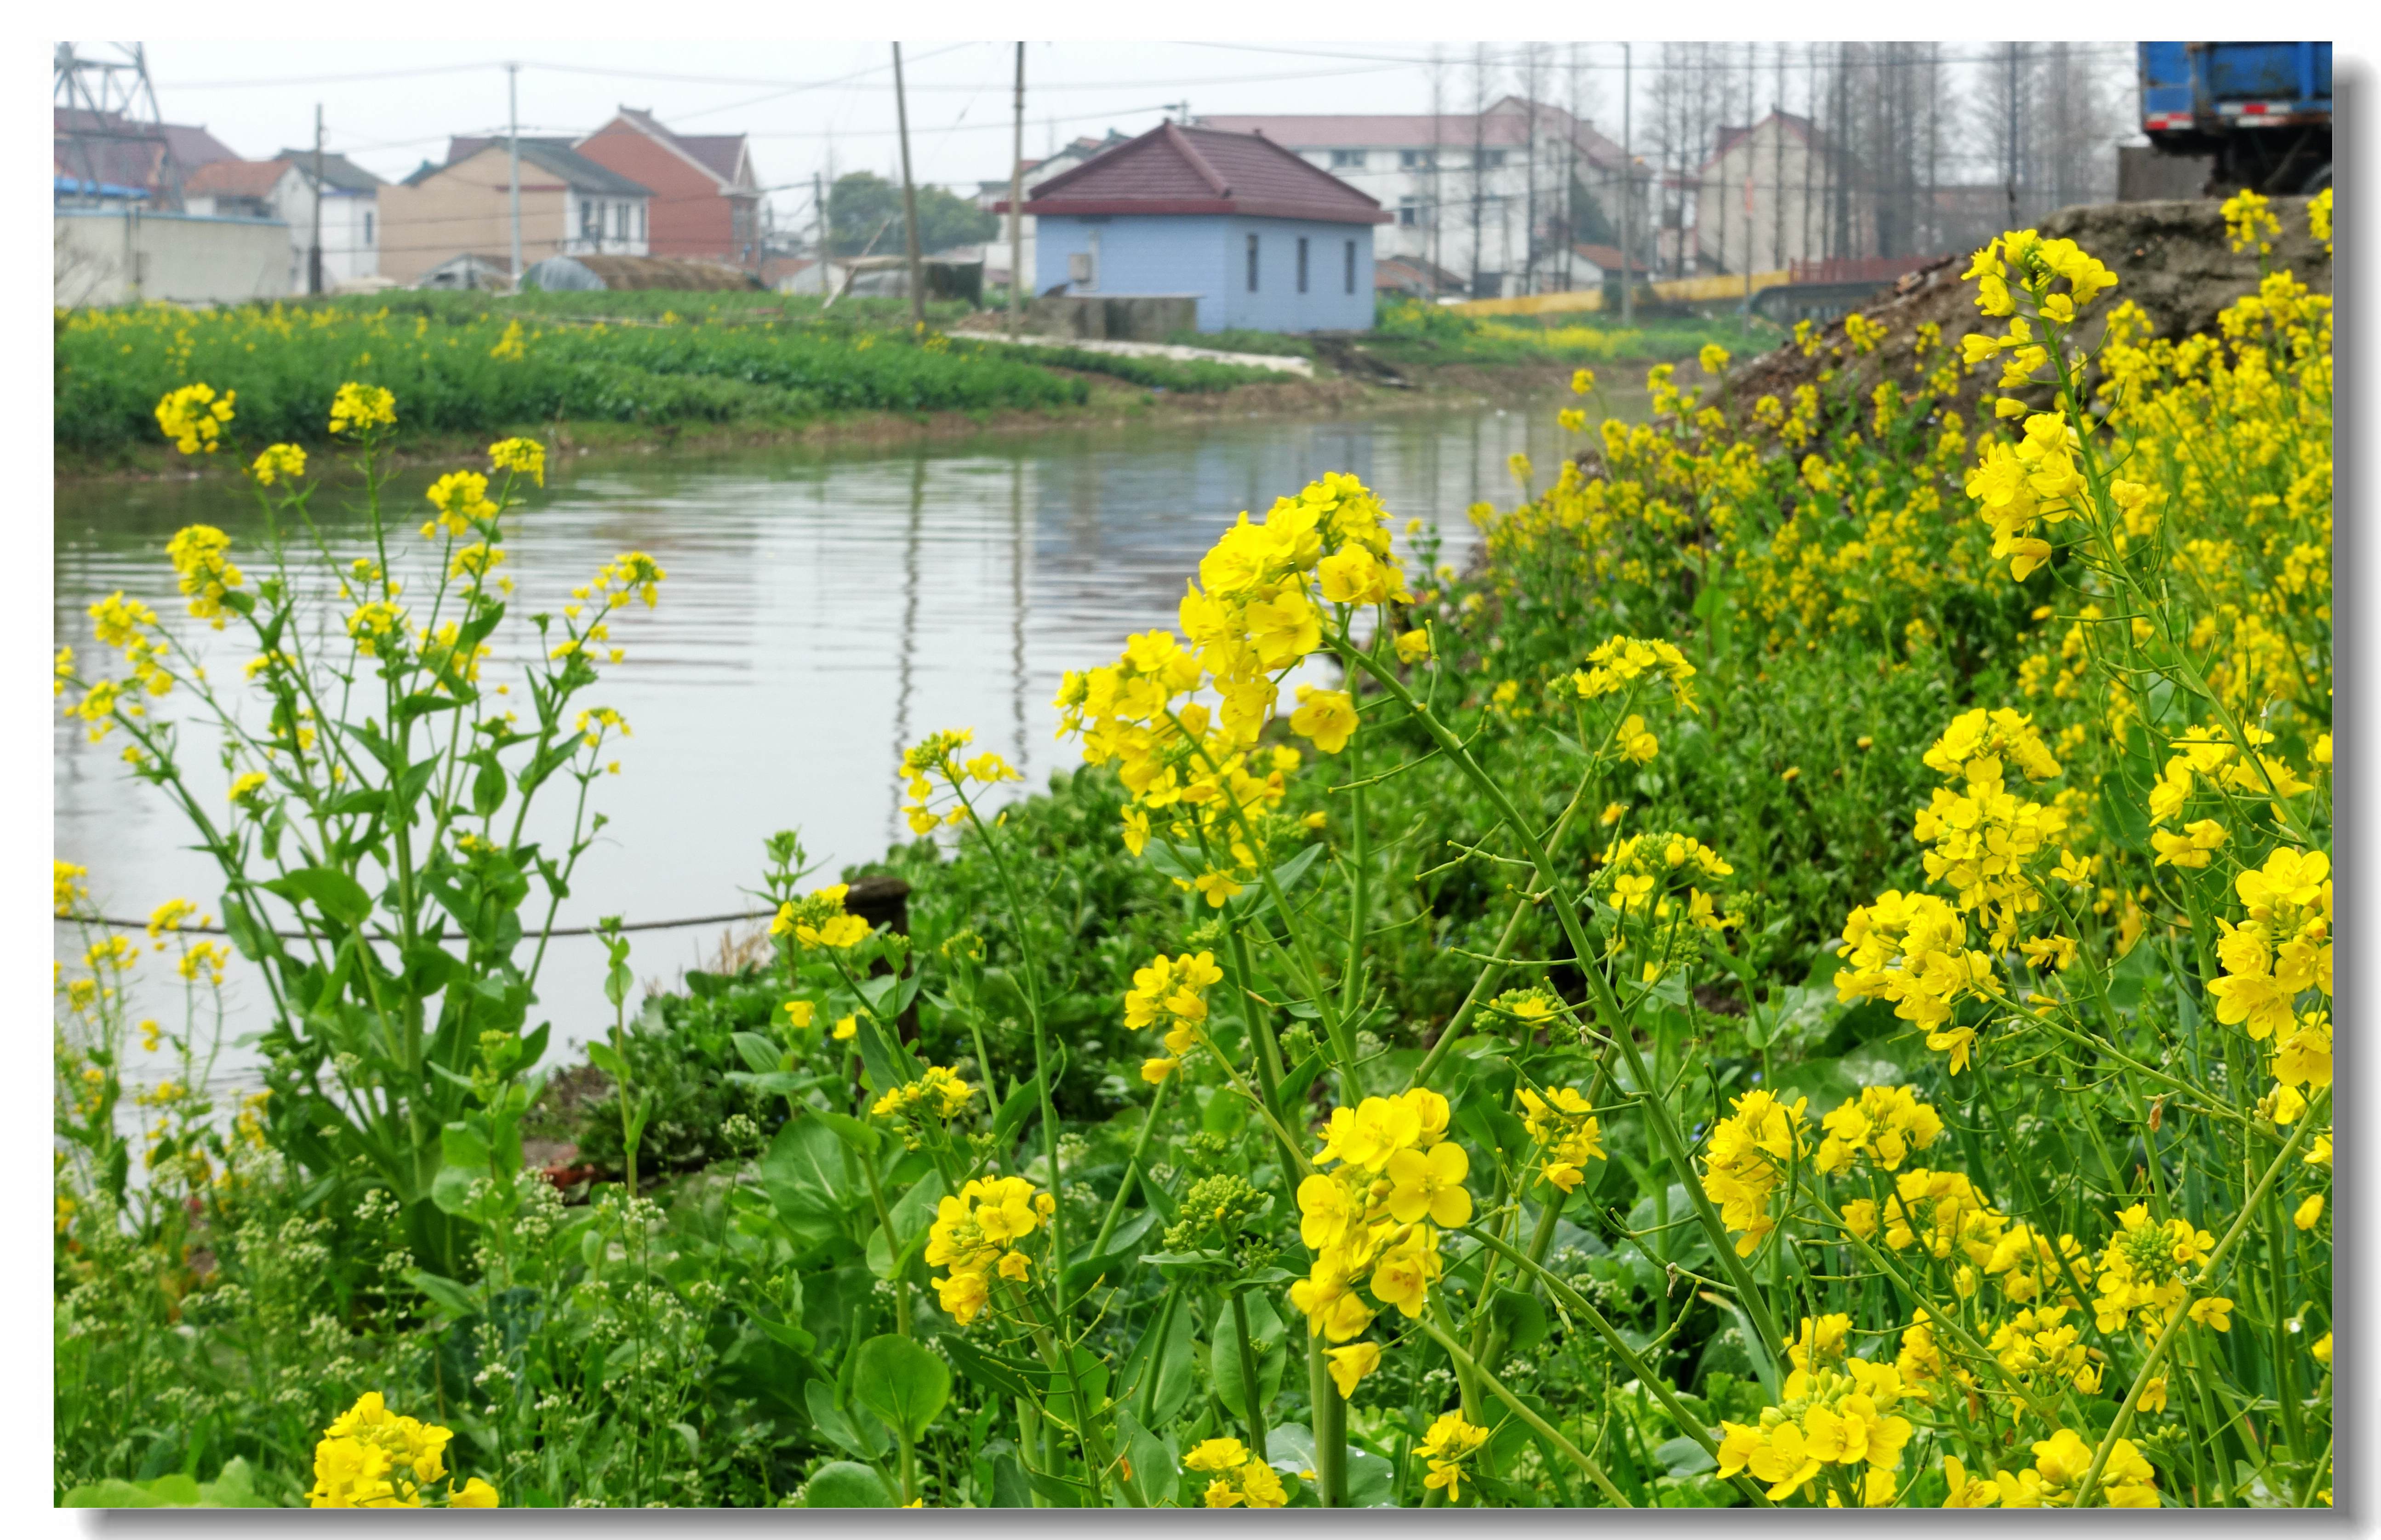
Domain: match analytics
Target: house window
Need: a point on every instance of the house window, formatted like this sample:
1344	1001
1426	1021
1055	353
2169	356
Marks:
1417	160
368	228
1252	262
640	221
1409	210
1301	265
588	226
1488	160
1352	267
1341	159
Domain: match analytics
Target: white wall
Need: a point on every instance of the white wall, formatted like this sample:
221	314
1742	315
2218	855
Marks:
107	257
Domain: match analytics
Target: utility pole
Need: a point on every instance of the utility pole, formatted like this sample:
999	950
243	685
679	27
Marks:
2012	138
909	197
1627	196
1015	201
314	248
1751	87
512	142
818	216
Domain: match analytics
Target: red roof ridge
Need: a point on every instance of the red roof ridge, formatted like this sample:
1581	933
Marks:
1199	162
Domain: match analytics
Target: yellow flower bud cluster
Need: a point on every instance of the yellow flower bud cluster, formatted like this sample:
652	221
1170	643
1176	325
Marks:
1746	1160
371	1457
936	1093
1387	1179
278	462
1661	878
975	1235
1241	1479
2039	1349
522	456
1170	994
1567	1132
2141	1270
818	920
355	408
1880	1126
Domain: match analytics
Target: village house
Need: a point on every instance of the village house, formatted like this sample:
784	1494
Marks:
1255	235
705	199
995	196
104	150
283	188
568	205
1481	194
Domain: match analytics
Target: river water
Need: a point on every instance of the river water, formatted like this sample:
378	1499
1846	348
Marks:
823	609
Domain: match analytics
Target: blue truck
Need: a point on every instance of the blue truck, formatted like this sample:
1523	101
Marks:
2262	110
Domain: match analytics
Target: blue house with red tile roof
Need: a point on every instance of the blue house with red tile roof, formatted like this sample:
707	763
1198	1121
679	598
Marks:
1260	237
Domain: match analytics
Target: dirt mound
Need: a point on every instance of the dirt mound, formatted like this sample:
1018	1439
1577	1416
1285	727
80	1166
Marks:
2170	258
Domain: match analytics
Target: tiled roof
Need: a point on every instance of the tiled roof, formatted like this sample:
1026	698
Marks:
235	179
337	170
1172	169
555	156
718	154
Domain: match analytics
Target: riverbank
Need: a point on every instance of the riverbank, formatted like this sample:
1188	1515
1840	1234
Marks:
1108	404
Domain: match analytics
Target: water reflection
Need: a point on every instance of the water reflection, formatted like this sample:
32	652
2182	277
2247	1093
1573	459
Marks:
822	611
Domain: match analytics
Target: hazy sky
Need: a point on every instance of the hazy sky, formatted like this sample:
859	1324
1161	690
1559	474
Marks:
803	104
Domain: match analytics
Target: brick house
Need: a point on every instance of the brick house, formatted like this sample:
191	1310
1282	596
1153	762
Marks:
706	200
568	205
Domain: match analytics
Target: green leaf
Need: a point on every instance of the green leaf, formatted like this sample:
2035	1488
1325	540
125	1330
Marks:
842	1483
1155	1462
455	1299
1123	1247
421	703
858	1436
858	1135
1522	1317
1019	1106
988	1371
760	1053
902	1383
339	897
1223	1358
601	1055
488	785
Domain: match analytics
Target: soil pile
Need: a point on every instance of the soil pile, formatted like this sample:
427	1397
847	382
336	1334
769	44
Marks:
2170	258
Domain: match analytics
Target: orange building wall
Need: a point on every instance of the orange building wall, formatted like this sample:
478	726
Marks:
688	215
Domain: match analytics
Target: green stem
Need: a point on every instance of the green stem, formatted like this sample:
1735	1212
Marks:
1251	1394
1538	1425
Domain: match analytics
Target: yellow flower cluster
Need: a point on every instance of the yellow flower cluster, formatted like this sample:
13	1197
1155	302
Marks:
2060	1462
2248	221
1451	1441
205	574
975	1235
1746	1160
1627	661
1640	874
1882	1125
937	759
2279	952
1567	1133
1386	1176
523	456
1252	615
1240	1480
1831	1416
371	1457
278	462
2141	1270
818	920
462	499
1170	994
356	407
193	417
1983	836
1913	949
1940	1212
2039	1349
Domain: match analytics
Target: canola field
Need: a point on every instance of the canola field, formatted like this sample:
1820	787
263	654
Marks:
1803	980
